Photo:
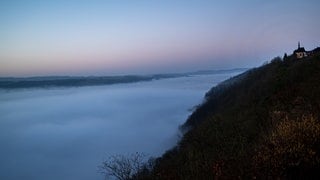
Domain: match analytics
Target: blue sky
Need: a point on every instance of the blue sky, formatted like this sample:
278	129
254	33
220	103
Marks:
122	37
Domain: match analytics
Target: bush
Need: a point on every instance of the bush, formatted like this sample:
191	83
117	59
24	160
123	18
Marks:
290	149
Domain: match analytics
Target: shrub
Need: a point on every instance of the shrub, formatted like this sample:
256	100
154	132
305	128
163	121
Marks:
290	149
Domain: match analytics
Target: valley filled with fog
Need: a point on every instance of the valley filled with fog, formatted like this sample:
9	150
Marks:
65	133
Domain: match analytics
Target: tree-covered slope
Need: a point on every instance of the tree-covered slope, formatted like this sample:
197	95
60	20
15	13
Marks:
264	123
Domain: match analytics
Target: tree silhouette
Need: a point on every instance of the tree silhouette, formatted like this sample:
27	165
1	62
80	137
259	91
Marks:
126	167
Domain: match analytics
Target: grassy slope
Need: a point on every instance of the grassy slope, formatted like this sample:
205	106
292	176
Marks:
263	123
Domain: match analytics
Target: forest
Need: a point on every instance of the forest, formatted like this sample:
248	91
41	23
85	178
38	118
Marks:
261	124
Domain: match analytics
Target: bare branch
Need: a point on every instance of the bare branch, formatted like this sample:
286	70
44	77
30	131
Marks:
125	167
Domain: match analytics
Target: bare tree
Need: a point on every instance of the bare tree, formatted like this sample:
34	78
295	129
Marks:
124	167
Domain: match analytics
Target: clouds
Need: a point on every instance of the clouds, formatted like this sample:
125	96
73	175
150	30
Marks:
66	133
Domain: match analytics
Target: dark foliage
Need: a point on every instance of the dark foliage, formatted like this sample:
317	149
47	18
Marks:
249	127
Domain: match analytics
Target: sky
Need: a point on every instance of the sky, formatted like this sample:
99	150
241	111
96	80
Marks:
92	37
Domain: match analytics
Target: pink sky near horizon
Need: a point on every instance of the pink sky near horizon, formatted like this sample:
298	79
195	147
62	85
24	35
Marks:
109	37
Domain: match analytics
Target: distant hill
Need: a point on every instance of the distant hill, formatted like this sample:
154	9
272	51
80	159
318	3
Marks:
65	81
224	71
76	81
262	124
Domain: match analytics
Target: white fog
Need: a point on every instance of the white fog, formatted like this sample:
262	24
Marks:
65	133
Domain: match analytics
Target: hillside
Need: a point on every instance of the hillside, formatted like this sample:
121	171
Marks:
78	81
264	124
74	81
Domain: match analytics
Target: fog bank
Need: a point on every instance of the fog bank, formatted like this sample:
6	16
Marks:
65	133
